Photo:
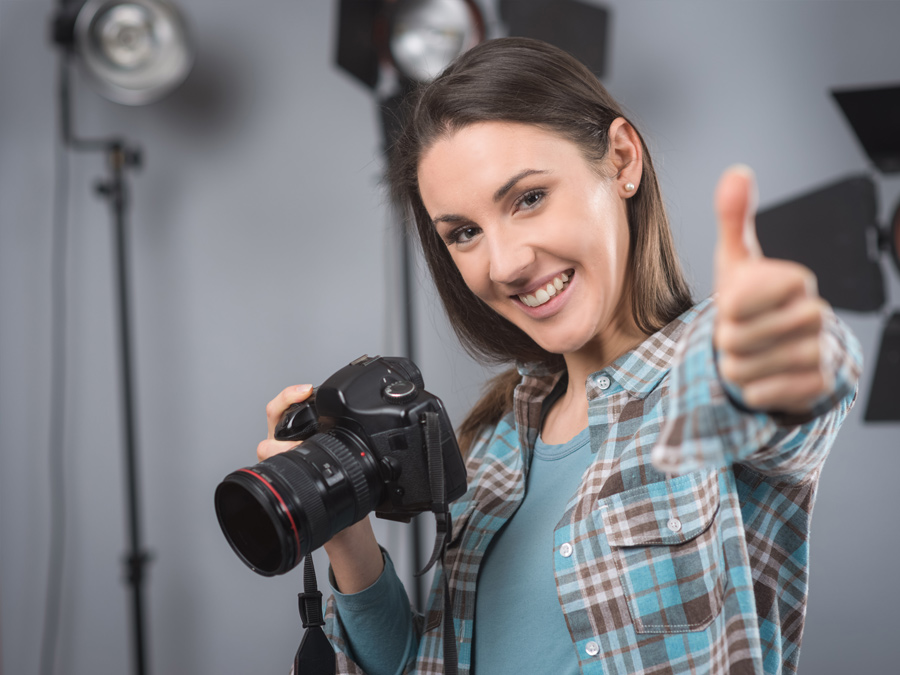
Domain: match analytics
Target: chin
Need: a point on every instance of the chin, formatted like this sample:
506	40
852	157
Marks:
561	347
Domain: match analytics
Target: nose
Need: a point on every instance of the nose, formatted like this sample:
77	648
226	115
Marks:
510	257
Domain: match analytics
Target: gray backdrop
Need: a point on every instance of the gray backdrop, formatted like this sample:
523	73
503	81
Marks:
263	256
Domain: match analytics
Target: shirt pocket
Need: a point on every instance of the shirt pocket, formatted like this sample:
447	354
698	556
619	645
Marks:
666	547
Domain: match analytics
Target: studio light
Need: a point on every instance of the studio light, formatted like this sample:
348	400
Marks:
425	36
134	51
834	231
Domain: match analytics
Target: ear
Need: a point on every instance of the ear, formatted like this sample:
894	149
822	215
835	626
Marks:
627	156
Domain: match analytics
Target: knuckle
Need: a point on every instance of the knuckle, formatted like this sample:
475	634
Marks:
808	353
754	397
262	450
818	384
810	281
815	315
726	338
799	277
730	369
727	303
273	409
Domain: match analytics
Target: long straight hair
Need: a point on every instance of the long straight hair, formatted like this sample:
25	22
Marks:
530	82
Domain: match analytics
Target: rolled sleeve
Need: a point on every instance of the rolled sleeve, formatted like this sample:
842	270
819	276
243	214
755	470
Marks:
708	425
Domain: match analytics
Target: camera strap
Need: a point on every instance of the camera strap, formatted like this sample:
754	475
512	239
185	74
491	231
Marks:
315	654
443	527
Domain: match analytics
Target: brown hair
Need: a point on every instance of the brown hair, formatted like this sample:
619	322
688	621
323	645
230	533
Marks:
530	82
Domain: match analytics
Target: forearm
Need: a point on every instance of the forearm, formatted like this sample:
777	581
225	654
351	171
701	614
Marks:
374	628
355	557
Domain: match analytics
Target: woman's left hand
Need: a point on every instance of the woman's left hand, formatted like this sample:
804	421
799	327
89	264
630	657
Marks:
770	318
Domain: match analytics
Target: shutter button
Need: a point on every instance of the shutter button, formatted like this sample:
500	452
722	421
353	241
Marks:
565	550
674	524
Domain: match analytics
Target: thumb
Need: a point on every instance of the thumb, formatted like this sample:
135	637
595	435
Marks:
736	199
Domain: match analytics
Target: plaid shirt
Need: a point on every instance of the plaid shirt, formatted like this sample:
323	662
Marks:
685	548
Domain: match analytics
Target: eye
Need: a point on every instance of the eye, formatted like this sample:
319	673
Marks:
530	199
462	235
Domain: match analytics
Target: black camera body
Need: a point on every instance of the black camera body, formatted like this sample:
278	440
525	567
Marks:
363	450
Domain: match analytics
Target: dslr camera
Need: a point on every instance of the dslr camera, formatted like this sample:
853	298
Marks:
363	449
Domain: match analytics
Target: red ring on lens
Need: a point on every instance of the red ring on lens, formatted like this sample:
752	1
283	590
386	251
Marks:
284	506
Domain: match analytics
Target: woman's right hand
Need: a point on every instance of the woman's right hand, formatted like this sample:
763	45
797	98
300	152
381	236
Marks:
355	556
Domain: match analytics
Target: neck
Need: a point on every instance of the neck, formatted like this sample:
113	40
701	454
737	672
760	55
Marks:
569	414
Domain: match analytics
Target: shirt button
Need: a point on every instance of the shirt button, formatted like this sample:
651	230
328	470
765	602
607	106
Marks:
592	648
603	382
674	524
565	550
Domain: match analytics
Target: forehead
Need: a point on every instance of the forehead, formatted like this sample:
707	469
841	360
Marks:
481	157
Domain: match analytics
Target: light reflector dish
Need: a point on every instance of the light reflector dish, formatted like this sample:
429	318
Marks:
135	51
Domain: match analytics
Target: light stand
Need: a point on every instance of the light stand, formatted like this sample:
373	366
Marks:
119	158
135	51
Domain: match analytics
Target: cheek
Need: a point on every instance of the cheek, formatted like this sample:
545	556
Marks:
468	269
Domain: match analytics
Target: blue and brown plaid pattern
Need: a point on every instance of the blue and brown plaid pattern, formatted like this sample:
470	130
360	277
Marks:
689	530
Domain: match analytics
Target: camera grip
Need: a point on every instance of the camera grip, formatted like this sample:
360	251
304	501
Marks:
299	422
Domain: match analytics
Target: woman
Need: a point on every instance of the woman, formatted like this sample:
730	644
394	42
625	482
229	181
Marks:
641	481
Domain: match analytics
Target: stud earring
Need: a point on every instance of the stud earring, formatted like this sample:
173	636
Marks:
629	187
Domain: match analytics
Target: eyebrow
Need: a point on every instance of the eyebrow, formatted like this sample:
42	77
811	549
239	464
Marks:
498	195
511	183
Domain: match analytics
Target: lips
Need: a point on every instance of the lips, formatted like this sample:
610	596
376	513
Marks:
543	294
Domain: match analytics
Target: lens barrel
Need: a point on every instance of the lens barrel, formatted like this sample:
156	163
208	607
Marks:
275	512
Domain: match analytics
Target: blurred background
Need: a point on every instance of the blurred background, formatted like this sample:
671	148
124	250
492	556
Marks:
263	253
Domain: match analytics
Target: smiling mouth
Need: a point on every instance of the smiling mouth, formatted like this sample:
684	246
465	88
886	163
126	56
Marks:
543	294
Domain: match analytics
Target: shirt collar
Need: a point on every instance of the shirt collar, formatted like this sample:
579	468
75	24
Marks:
640	370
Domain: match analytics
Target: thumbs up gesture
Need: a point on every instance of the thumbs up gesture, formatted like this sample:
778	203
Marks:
770	317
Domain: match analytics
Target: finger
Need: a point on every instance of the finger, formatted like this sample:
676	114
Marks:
788	393
795	356
764	286
735	203
276	407
270	448
794	320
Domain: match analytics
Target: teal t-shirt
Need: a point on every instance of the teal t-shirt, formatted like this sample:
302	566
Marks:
519	625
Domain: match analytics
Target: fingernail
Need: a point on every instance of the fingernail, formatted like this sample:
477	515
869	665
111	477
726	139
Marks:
744	169
303	388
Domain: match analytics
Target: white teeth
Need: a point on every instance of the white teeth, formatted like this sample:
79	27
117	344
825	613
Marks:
542	295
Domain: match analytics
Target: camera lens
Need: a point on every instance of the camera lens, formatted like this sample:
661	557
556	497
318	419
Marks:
277	511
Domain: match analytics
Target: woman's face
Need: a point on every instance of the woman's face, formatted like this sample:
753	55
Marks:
536	231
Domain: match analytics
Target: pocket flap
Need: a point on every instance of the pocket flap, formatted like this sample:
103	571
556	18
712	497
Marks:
668	512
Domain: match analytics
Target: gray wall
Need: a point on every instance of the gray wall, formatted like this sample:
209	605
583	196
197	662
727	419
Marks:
263	255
